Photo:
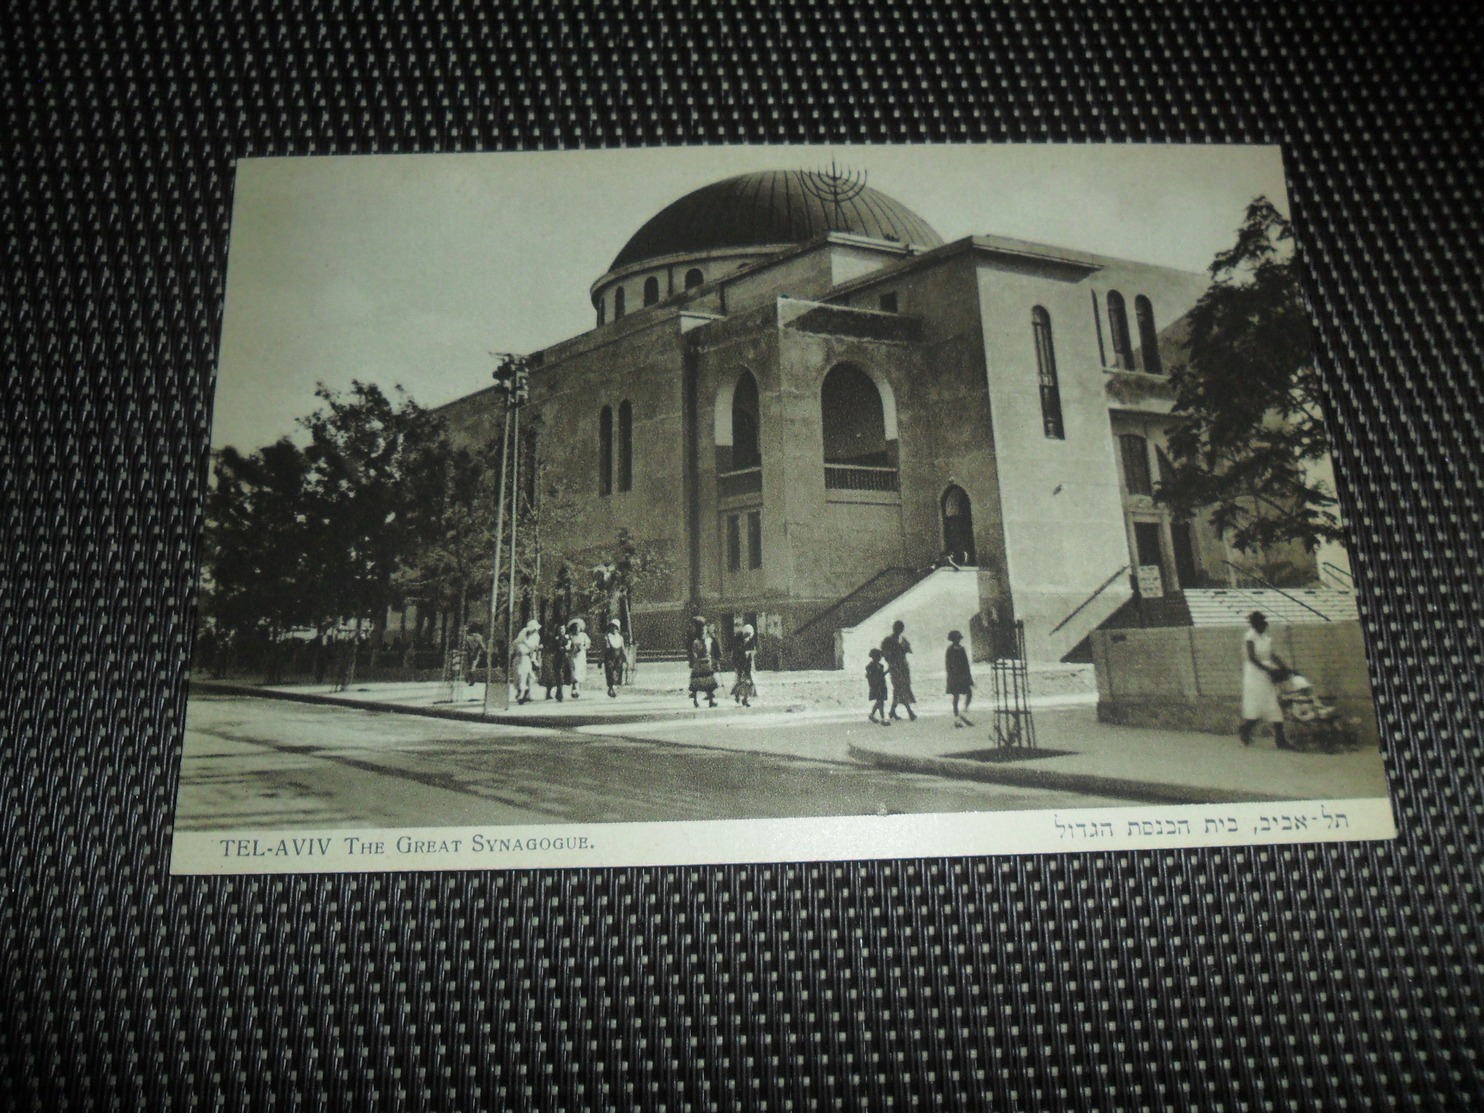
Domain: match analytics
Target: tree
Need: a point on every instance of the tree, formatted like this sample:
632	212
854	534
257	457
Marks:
371	462
452	527
256	541
1248	425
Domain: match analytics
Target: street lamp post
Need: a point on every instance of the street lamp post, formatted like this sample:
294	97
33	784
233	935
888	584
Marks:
512	379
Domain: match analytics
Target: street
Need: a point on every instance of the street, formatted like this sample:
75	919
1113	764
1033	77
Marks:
265	763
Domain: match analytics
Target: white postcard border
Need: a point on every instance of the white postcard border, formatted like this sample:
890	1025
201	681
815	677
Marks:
748	841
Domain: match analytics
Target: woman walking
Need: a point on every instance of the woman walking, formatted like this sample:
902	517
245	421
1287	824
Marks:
960	679
702	665
744	658
554	658
578	642
523	660
613	657
895	649
1261	670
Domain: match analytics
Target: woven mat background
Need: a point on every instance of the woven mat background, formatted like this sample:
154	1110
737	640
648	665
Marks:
1336	976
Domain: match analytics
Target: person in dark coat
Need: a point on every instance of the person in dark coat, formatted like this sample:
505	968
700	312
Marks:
895	649
960	680
744	657
554	658
702	665
876	688
474	652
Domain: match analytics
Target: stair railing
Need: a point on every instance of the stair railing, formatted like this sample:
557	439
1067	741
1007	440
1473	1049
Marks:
1088	600
1346	578
1258	577
857	592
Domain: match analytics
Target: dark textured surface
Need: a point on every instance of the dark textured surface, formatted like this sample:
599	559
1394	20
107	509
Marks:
1336	976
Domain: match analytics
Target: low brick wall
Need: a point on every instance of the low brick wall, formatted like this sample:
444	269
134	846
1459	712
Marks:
1191	678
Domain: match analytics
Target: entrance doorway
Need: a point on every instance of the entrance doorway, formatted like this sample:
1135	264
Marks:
1148	550
958	527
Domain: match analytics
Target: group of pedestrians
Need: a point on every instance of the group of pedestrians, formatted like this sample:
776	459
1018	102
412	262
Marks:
706	660
559	663
889	662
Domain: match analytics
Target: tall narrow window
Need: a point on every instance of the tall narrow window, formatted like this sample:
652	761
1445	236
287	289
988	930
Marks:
625	446
1148	338
754	540
1123	346
1051	421
618	303
1136	465
746	451
651	291
694	278
734	543
602	312
605	451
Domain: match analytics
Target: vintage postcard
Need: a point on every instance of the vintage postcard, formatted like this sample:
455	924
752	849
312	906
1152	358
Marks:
769	503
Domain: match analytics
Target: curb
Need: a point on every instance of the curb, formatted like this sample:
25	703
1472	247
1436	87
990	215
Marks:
1142	791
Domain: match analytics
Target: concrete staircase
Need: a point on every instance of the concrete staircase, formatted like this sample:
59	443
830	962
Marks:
814	644
1311	605
942	600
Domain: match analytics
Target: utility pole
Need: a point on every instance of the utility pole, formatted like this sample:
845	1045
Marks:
512	380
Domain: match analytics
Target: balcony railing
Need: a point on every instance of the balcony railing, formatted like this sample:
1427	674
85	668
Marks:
861	478
739	482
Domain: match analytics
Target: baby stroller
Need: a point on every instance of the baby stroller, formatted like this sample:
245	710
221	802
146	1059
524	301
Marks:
1312	723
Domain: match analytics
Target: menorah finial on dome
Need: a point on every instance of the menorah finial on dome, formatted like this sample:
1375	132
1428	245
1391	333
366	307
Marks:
834	188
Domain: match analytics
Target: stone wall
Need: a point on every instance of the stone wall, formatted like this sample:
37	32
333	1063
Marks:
1191	678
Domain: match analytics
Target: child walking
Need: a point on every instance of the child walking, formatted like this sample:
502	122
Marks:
876	688
960	681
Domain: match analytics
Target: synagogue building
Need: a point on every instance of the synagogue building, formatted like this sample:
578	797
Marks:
828	417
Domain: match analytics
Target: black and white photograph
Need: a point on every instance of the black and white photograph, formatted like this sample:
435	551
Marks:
717	504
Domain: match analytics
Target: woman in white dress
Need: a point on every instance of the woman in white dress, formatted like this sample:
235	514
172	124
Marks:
523	660
1261	670
578	642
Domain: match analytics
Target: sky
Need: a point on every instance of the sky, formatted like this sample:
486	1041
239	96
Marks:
414	269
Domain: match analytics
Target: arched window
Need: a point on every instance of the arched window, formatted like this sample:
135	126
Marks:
617	303
602	312
694	278
746	450
605	451
858	428
1148	338
1051	421
625	446
651	291
854	420
1123	347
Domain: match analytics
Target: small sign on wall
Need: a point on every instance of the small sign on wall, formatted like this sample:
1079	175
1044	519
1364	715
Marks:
1151	583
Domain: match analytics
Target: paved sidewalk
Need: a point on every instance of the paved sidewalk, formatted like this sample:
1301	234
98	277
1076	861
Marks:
1140	764
659	690
819	715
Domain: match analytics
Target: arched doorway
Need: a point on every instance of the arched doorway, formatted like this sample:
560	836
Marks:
958	527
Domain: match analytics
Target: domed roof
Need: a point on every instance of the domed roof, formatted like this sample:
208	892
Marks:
773	207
